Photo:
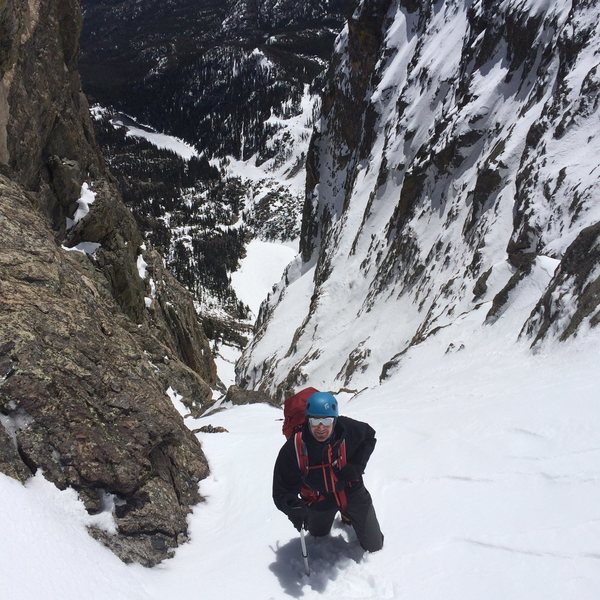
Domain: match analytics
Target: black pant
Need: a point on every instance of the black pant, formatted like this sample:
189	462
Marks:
362	514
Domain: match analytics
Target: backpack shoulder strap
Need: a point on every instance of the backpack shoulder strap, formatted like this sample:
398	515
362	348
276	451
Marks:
341	460
301	456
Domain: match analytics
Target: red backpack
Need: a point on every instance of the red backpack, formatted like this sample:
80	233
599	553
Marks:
294	411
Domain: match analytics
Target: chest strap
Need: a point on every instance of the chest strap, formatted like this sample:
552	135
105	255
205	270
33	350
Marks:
329	477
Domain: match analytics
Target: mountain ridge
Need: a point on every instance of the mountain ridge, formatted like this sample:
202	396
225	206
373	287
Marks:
451	189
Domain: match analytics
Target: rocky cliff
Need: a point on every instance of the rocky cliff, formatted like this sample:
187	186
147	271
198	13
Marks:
93	330
453	172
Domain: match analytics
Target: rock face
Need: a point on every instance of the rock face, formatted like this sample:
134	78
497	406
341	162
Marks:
558	313
453	171
238	396
90	340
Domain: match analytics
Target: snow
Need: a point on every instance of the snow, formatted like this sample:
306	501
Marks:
84	202
485	480
260	270
225	358
142	267
158	139
176	398
162	140
89	248
293	303
253	281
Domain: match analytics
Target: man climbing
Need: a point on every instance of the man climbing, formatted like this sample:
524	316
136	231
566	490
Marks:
318	472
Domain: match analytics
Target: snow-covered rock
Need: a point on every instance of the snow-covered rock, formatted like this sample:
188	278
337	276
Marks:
454	164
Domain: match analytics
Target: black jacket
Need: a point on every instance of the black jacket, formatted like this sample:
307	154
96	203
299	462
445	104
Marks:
287	479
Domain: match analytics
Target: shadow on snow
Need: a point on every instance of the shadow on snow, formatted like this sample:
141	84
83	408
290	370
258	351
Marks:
328	557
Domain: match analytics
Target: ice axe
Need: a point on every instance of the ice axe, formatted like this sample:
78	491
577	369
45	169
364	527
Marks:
304	552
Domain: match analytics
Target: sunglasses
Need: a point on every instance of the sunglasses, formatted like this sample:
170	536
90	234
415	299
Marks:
326	421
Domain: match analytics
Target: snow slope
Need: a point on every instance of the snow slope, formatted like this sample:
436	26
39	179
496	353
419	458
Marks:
260	270
466	155
160	140
486	481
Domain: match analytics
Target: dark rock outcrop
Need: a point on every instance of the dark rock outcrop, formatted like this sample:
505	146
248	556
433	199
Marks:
572	301
346	110
89	342
237	395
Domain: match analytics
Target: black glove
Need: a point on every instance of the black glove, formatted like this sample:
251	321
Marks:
297	513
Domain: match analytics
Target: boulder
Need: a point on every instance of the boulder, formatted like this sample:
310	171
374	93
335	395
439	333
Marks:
238	396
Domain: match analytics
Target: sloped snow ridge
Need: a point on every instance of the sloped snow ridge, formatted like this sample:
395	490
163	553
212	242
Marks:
455	162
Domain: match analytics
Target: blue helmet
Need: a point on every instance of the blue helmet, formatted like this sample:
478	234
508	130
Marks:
322	404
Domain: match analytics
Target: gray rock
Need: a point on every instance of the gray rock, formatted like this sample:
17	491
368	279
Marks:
239	396
97	416
210	429
84	363
573	296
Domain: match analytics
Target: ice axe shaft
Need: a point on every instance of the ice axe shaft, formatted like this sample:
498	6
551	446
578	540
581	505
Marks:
304	552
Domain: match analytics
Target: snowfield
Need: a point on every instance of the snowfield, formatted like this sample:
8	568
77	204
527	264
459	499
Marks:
260	270
486	481
158	139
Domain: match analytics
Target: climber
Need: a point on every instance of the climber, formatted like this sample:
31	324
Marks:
318	472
